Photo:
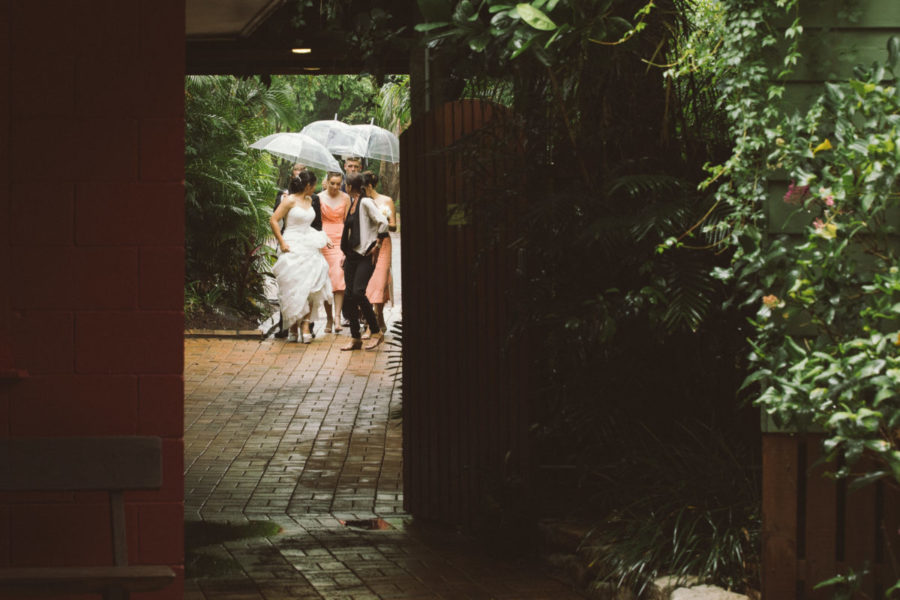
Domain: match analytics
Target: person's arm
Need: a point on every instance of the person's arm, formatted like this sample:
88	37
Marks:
374	214
280	213
392	220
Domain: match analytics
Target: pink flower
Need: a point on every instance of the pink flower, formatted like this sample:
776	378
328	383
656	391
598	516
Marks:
818	224
796	195
829	201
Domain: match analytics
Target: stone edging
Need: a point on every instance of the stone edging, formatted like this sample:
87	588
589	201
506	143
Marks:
243	334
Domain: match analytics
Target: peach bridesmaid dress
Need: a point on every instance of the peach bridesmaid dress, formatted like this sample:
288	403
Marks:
333	226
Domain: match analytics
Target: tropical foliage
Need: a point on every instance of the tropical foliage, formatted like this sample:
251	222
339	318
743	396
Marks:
230	189
602	159
823	283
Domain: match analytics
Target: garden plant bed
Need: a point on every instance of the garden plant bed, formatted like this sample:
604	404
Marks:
206	324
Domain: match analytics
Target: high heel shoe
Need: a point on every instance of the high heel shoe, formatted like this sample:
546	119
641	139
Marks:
307	337
292	336
329	326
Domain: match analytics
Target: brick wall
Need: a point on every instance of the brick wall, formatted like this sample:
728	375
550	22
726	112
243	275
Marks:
92	225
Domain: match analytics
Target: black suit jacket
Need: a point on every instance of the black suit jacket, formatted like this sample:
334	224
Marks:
317	207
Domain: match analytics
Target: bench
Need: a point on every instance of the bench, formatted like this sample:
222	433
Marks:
113	464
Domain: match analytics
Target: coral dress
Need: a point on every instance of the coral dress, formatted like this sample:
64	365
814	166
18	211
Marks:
302	273
379	289
333	226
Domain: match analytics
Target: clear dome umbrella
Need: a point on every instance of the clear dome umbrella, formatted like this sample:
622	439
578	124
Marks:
337	136
380	143
299	148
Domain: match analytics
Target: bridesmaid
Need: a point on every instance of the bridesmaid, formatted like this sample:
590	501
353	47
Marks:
334	204
379	289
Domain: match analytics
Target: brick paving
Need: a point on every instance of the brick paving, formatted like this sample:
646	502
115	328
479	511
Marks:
309	438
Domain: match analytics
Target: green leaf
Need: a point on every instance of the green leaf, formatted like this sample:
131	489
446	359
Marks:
893	45
872	368
430	26
480	42
535	17
522	48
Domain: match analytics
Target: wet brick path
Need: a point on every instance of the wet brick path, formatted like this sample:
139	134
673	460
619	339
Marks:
302	435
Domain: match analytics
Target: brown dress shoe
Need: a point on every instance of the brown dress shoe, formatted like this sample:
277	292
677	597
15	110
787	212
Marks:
355	344
377	340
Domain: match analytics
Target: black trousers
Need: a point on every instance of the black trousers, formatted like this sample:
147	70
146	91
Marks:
358	270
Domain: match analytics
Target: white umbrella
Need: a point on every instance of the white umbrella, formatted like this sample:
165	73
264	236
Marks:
337	136
300	148
380	143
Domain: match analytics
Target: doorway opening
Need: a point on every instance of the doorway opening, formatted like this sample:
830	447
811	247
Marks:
302	435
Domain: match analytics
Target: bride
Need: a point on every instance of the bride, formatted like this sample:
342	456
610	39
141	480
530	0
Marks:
301	271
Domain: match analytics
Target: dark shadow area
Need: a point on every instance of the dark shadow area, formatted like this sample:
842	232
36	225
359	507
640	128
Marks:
204	555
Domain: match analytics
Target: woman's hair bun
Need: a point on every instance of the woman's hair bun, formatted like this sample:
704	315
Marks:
370	178
303	179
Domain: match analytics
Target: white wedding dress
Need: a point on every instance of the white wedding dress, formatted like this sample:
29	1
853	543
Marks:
302	272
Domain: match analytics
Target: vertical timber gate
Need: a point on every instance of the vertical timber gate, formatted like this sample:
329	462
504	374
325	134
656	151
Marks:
815	527
465	416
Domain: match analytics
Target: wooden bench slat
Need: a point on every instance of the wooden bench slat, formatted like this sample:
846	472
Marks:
134	578
112	463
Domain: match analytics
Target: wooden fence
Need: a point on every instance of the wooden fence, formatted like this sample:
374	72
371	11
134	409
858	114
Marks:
815	528
465	412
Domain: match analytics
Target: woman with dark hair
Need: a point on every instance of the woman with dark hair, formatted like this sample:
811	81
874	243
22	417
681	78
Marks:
301	271
379	289
364	229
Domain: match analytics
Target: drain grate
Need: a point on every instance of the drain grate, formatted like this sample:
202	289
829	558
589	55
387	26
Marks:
368	524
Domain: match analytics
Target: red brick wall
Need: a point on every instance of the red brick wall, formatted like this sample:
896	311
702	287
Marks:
92	225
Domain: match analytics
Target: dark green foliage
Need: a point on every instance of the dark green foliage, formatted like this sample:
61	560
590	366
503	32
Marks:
686	505
601	157
229	190
395	366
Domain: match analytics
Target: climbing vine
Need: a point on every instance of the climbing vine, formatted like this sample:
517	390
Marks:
825	285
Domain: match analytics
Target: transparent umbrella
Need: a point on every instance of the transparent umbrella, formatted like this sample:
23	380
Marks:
380	143
300	148
337	136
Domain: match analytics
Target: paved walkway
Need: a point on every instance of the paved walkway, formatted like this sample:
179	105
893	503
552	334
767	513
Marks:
308	438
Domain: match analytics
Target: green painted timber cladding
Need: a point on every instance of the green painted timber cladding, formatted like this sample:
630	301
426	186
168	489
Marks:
850	14
838	35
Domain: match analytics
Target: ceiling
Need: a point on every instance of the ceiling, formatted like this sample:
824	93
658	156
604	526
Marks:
246	37
226	19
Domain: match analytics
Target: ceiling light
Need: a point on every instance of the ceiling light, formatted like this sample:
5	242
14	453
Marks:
301	50
312	68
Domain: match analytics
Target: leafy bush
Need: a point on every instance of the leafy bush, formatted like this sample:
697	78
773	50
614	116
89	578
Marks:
828	299
229	189
685	506
828	326
826	329
600	157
